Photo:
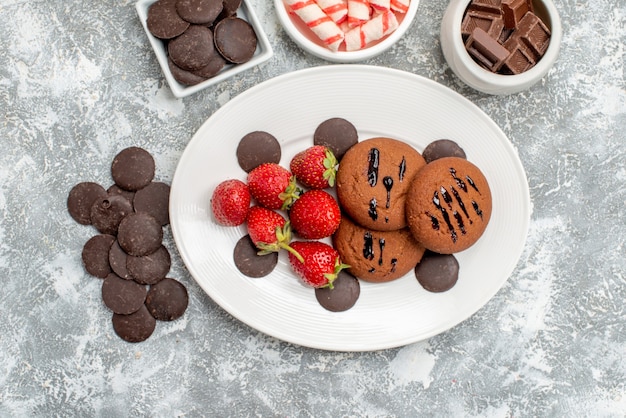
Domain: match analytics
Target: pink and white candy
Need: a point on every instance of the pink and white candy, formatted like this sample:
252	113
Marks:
401	6
337	10
319	22
373	30
380	5
359	12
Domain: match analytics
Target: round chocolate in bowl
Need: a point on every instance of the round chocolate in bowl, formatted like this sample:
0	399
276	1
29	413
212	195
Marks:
325	28
501	46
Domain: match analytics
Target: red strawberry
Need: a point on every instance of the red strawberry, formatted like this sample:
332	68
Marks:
315	214
268	230
321	263
315	167
273	186
230	202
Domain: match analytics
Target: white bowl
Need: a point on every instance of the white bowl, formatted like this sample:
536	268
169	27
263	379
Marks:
307	40
263	51
483	80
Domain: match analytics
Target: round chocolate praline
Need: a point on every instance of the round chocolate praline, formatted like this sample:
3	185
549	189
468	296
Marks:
139	234
151	268
81	199
163	20
235	39
344	294
167	300
123	296
247	260
95	255
437	272
154	200
442	148
338	134
136	327
256	148
108	212
133	168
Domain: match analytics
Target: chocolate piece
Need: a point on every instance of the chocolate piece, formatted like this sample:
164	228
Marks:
139	234
154	200
122	296
135	327
151	268
163	21
215	65
247	260
185	77
95	255
488	6
117	260
256	148
344	294
486	50
108	212
132	168
520	59
442	148
167	300
338	134
513	11
193	49
489	22
230	8
437	272
534	33
81	198
114	189
202	12
235	40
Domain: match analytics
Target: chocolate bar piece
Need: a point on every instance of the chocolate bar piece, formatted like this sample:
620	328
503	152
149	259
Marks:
520	59
513	11
489	22
486	50
487	6
534	33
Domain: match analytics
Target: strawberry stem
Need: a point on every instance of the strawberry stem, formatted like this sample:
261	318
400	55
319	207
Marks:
283	238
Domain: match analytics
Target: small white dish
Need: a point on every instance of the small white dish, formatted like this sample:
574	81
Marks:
481	79
262	54
306	39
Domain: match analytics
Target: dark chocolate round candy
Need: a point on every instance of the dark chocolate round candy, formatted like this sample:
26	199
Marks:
163	20
193	49
437	272
256	148
136	327
202	12
139	234
185	77
123	296
344	294
151	268
108	212
133	168
81	198
337	134
154	199
249	262
442	148
95	255
230	8
114	189
235	39
167	300
117	260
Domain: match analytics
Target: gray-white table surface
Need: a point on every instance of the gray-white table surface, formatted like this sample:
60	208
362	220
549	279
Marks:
79	82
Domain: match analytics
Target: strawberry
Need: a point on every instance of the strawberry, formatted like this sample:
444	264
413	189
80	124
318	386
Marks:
321	263
273	186
268	230
315	214
230	202
315	167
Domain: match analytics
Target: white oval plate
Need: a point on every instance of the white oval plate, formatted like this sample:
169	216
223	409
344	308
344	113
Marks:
379	102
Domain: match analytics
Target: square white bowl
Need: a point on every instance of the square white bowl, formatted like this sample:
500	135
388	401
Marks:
263	51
